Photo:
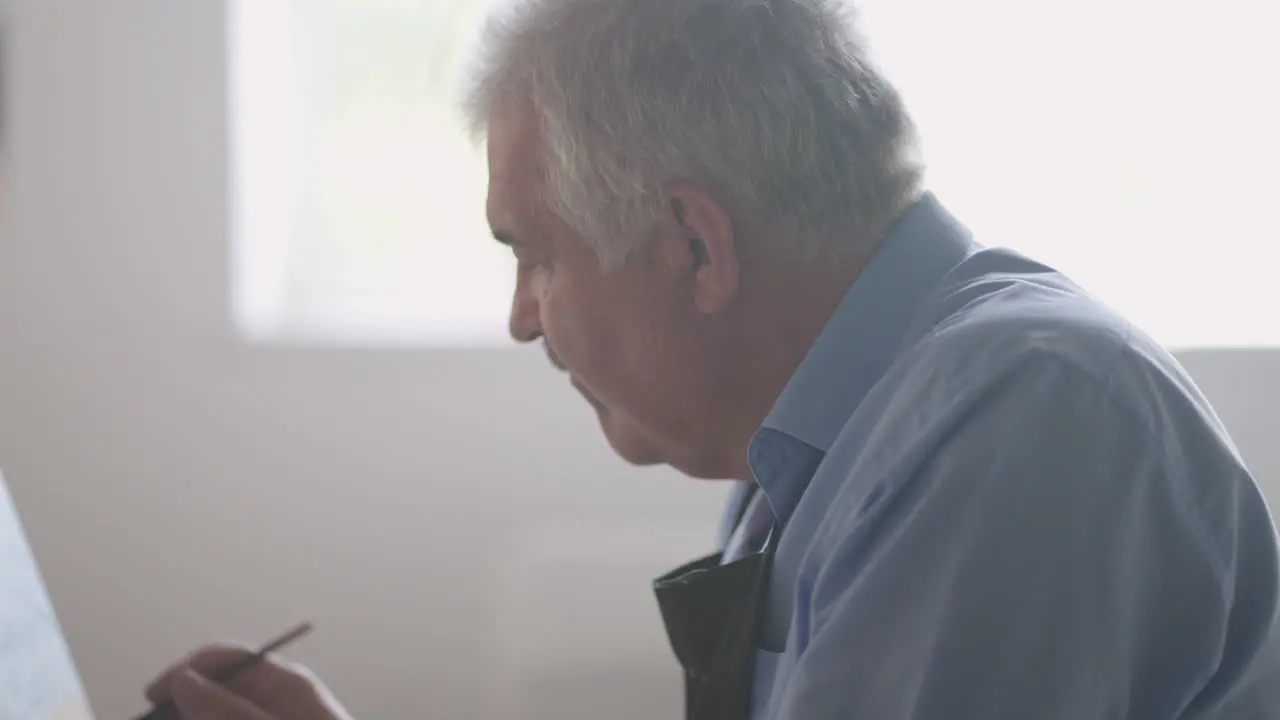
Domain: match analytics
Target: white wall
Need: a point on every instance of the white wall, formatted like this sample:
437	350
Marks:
449	518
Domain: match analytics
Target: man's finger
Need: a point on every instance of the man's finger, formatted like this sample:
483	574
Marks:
199	699
206	661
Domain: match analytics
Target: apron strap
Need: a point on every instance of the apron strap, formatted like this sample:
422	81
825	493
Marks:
728	694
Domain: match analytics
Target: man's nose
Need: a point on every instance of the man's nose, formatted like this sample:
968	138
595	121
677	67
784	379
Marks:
525	323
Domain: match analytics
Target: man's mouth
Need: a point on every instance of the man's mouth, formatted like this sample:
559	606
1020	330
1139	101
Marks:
553	358
557	364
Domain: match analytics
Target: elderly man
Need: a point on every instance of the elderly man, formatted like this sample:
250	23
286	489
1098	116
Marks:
981	494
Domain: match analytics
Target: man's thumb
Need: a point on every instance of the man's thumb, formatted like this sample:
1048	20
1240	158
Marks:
199	699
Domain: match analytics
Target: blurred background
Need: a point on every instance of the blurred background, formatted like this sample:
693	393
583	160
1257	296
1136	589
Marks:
253	364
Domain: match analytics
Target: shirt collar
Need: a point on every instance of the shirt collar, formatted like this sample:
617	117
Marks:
855	348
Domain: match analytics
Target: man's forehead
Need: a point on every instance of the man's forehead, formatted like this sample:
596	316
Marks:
513	162
513	142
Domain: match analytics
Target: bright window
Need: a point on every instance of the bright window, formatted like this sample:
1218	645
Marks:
359	198
1131	143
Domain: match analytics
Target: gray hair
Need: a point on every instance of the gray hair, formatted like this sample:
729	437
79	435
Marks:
769	105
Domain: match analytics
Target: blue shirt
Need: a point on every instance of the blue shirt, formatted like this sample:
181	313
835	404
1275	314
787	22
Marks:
998	499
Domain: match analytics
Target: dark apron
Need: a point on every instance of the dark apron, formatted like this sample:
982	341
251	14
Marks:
712	613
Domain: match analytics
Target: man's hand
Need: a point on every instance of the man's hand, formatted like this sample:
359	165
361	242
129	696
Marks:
273	689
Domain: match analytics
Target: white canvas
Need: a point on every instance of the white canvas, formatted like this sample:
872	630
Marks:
38	678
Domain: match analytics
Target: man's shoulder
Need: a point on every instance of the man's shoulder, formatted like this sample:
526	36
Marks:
1000	318
1032	411
999	310
1003	354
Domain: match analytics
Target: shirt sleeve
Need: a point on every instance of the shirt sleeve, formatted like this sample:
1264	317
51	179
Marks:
1064	555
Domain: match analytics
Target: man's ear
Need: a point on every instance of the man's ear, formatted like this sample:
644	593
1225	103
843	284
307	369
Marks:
705	244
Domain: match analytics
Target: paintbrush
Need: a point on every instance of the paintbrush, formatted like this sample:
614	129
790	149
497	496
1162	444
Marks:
233	670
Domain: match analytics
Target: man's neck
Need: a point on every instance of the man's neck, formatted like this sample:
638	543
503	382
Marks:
782	313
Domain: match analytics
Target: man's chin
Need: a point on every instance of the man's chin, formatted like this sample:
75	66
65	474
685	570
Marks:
635	455
625	438
627	443
585	393
638	449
